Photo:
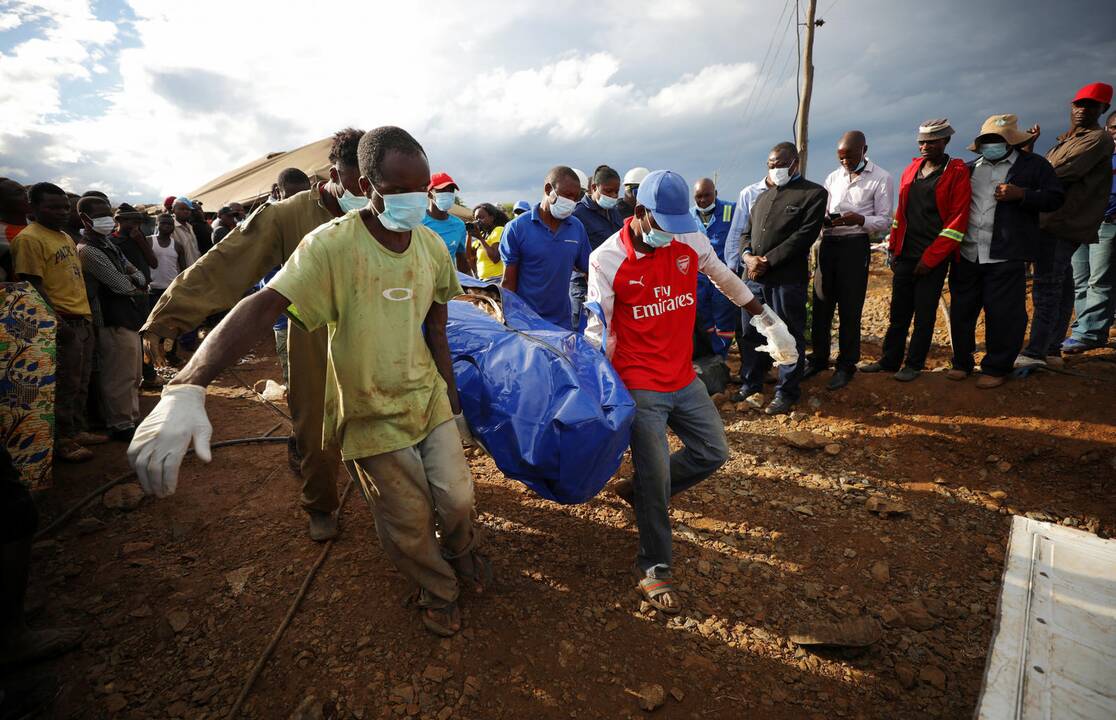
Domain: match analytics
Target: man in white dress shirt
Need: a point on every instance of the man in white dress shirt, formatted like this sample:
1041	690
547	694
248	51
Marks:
860	198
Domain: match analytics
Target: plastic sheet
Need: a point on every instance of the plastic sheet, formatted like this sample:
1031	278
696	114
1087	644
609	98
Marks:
542	401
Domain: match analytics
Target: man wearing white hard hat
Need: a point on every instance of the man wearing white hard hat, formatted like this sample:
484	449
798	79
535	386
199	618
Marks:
643	281
630	184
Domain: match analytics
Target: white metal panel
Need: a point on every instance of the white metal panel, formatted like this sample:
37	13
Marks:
1053	653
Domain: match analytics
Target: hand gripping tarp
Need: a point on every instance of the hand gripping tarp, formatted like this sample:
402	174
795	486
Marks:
544	403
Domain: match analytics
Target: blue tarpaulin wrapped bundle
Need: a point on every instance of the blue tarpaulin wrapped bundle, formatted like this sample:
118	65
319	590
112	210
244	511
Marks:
544	403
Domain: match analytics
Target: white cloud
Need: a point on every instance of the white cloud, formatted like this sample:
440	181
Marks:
9	21
715	87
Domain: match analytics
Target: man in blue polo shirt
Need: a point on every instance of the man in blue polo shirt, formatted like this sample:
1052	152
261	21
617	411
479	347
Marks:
443	193
541	248
717	316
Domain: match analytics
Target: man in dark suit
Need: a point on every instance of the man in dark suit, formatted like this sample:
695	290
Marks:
785	222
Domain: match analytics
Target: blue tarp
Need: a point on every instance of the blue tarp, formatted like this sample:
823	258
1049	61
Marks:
544	403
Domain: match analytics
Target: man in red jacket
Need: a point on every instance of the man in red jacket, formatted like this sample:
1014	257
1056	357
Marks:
926	233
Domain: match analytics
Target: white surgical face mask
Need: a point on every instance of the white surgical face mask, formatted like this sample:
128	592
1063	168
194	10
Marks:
444	200
708	208
350	202
104	225
560	207
607	201
779	176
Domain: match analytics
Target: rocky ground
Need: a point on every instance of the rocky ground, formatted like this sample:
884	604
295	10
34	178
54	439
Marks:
883	502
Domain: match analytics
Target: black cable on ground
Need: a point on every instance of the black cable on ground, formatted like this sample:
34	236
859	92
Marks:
257	670
58	521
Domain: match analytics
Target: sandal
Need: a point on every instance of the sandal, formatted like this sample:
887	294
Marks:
654	588
70	451
479	572
440	620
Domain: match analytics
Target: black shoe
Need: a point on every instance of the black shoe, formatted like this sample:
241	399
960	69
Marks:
840	379
122	435
875	367
907	373
743	394
813	369
779	406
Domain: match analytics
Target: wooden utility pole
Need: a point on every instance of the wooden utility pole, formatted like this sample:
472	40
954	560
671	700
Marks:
807	71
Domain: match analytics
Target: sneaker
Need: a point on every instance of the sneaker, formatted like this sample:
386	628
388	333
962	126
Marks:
1025	361
956	375
88	438
987	382
840	379
1055	361
323	526
69	451
811	370
875	367
907	373
1073	346
779	406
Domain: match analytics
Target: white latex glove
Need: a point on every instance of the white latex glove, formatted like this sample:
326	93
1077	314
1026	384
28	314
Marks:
164	436
463	430
780	343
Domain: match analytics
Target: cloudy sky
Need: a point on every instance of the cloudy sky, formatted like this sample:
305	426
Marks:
145	98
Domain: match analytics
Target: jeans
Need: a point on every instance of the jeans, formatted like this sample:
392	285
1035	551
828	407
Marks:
913	297
1094	271
1000	289
840	284
1052	296
690	413
789	303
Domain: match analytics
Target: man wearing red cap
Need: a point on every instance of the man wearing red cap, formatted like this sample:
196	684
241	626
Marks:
1082	160
443	194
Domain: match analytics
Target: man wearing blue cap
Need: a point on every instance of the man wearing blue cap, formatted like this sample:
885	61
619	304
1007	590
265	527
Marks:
521	206
183	211
643	281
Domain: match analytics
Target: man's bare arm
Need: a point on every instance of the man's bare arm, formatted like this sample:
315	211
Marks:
245	325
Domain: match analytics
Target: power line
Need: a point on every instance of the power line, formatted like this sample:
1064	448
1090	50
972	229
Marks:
764	83
750	102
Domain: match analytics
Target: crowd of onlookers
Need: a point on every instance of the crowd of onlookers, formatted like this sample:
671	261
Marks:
658	273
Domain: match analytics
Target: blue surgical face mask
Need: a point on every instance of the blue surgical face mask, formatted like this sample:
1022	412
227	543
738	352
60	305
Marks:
654	237
403	211
350	202
994	151
444	200
861	166
607	201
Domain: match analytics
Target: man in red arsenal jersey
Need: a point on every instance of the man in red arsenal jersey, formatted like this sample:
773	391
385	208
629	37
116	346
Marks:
644	282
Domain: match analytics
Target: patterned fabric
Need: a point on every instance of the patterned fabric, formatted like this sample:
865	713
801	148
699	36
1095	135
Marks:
27	359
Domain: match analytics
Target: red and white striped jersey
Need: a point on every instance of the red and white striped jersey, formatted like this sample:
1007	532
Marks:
649	301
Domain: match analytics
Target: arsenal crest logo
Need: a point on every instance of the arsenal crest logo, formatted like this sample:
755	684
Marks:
683	264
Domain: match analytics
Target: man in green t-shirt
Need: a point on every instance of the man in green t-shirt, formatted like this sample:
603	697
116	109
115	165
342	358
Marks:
379	282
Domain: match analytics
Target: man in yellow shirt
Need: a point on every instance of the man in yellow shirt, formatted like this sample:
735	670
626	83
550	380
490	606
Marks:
379	282
46	257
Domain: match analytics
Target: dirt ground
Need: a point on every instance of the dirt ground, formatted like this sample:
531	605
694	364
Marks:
180	596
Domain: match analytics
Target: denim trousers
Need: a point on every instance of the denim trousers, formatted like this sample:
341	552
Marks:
788	301
1052	297
1094	271
659	473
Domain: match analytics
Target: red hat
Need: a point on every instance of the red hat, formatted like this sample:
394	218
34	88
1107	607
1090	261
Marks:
169	201
440	180
1101	92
